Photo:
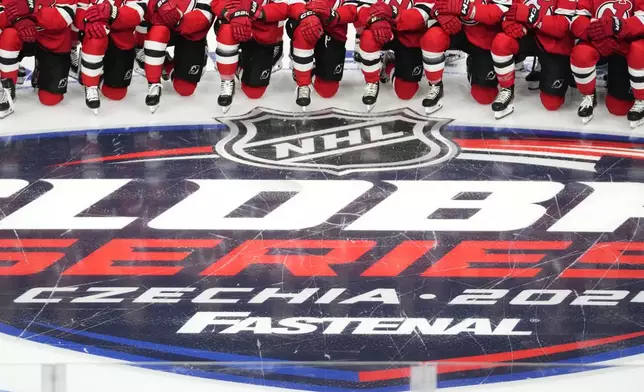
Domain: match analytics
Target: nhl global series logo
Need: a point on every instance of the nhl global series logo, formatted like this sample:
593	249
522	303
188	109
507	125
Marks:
336	141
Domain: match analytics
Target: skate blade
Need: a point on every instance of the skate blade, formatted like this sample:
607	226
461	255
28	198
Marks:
303	108
153	108
433	109
499	115
369	108
5	113
95	112
635	124
586	120
225	109
21	80
532	86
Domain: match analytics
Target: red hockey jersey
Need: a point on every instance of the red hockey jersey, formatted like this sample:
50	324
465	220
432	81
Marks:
630	11
197	17
486	21
131	13
553	28
54	18
413	19
3	17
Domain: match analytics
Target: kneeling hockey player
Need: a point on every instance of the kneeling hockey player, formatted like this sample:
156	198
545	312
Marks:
107	52
535	28
41	30
254	28
610	30
184	24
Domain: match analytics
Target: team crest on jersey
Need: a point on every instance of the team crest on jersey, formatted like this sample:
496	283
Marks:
336	141
621	9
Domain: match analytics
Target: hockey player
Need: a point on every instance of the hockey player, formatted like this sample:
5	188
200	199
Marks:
107	52
40	28
254	28
184	24
318	30
610	29
538	28
397	26
481	21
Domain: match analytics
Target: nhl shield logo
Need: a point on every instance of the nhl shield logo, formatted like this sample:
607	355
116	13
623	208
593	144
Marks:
336	141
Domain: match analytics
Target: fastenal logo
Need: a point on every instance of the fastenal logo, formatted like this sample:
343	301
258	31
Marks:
336	141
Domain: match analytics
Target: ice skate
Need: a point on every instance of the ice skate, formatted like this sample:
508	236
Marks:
370	95
7	95
34	76
92	99
587	107
636	114
432	101
303	98
153	99
226	95
503	105
139	61
22	75
168	67
74	64
533	77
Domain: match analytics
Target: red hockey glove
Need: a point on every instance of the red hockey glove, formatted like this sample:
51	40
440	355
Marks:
256	12
240	24
101	12
382	10
17	9
450	23
606	46
167	15
322	9
96	30
604	27
382	32
453	7
514	29
523	14
311	27
26	30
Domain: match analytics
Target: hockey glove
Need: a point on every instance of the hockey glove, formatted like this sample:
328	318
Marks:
450	23
26	30
96	30
606	46
322	9
167	15
514	29
382	10
311	27
523	13
604	27
17	9
240	25
256	12
382	32
101	12
462	8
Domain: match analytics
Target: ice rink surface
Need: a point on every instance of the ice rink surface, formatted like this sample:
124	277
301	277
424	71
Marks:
271	235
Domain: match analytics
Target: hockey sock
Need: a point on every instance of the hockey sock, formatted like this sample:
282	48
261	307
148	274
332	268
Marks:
253	92
483	95
551	102
405	89
114	93
326	88
49	99
183	87
618	107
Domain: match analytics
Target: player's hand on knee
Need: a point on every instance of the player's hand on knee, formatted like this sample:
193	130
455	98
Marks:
18	9
168	15
240	25
604	27
450	23
323	11
26	30
454	7
382	10
96	30
606	46
101	12
382	31
311	27
522	13
514	29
